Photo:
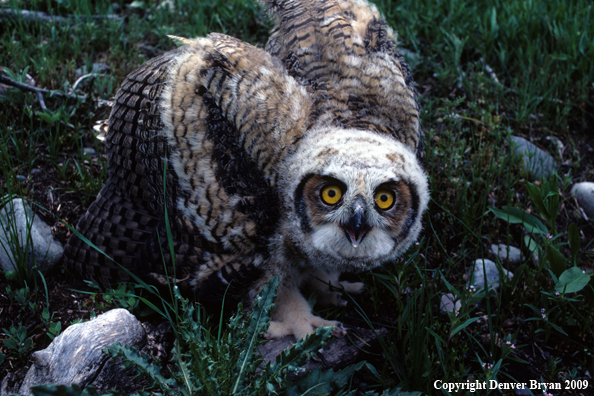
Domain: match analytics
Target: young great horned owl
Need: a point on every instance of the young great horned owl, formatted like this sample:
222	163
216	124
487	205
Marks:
301	161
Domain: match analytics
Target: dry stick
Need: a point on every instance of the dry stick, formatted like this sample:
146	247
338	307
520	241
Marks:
41	101
8	81
81	78
38	16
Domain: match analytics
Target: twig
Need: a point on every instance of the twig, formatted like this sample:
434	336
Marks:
41	101
38	16
81	78
8	81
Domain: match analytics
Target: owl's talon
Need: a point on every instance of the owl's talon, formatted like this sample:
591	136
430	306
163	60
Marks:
339	331
341	302
303	327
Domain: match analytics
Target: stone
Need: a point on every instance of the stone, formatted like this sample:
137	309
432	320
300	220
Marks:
477	274
76	357
36	171
511	254
524	392
449	303
90	151
42	249
21	178
536	162
584	193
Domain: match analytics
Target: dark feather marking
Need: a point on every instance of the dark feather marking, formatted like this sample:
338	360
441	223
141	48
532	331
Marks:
300	205
239	175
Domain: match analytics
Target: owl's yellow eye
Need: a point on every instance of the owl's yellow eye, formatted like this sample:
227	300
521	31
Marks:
331	194
384	199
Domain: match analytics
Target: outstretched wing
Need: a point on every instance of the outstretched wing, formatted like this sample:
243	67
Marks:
130	208
345	53
222	113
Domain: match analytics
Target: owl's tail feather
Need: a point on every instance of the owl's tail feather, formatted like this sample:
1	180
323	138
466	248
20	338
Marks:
114	230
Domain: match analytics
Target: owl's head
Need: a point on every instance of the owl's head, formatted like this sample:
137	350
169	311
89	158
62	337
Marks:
355	199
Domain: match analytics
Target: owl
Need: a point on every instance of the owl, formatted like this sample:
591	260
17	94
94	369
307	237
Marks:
229	164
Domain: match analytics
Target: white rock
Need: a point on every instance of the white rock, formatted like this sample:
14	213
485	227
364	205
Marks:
90	151
507	253
21	229
478	272
449	303
76	357
536	162
584	193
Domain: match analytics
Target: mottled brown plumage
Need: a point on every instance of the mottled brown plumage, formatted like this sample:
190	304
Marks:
301	161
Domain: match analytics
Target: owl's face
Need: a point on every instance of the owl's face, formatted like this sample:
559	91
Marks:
360	202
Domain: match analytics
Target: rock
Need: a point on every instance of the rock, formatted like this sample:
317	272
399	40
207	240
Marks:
43	249
477	278
524	392
76	357
584	193
511	254
537	163
21	178
90	151
449	303
35	171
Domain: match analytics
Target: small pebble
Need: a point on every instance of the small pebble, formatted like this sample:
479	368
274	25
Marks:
35	171
584	193
449	303
523	392
490	268
21	178
537	163
89	151
507	253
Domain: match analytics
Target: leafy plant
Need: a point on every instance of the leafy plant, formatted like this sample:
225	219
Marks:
17	243
229	364
553	314
18	340
546	200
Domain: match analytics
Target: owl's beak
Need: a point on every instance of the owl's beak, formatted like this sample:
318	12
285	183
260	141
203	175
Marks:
356	228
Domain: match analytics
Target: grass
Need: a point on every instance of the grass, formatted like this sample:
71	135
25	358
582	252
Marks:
485	70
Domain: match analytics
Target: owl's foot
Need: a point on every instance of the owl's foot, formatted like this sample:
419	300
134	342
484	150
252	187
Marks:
303	328
292	316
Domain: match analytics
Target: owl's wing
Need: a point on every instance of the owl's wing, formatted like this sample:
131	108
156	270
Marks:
267	107
345	53
222	113
129	210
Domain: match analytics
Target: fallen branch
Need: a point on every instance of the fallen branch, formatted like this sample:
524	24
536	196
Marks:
81	78
38	16
25	87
